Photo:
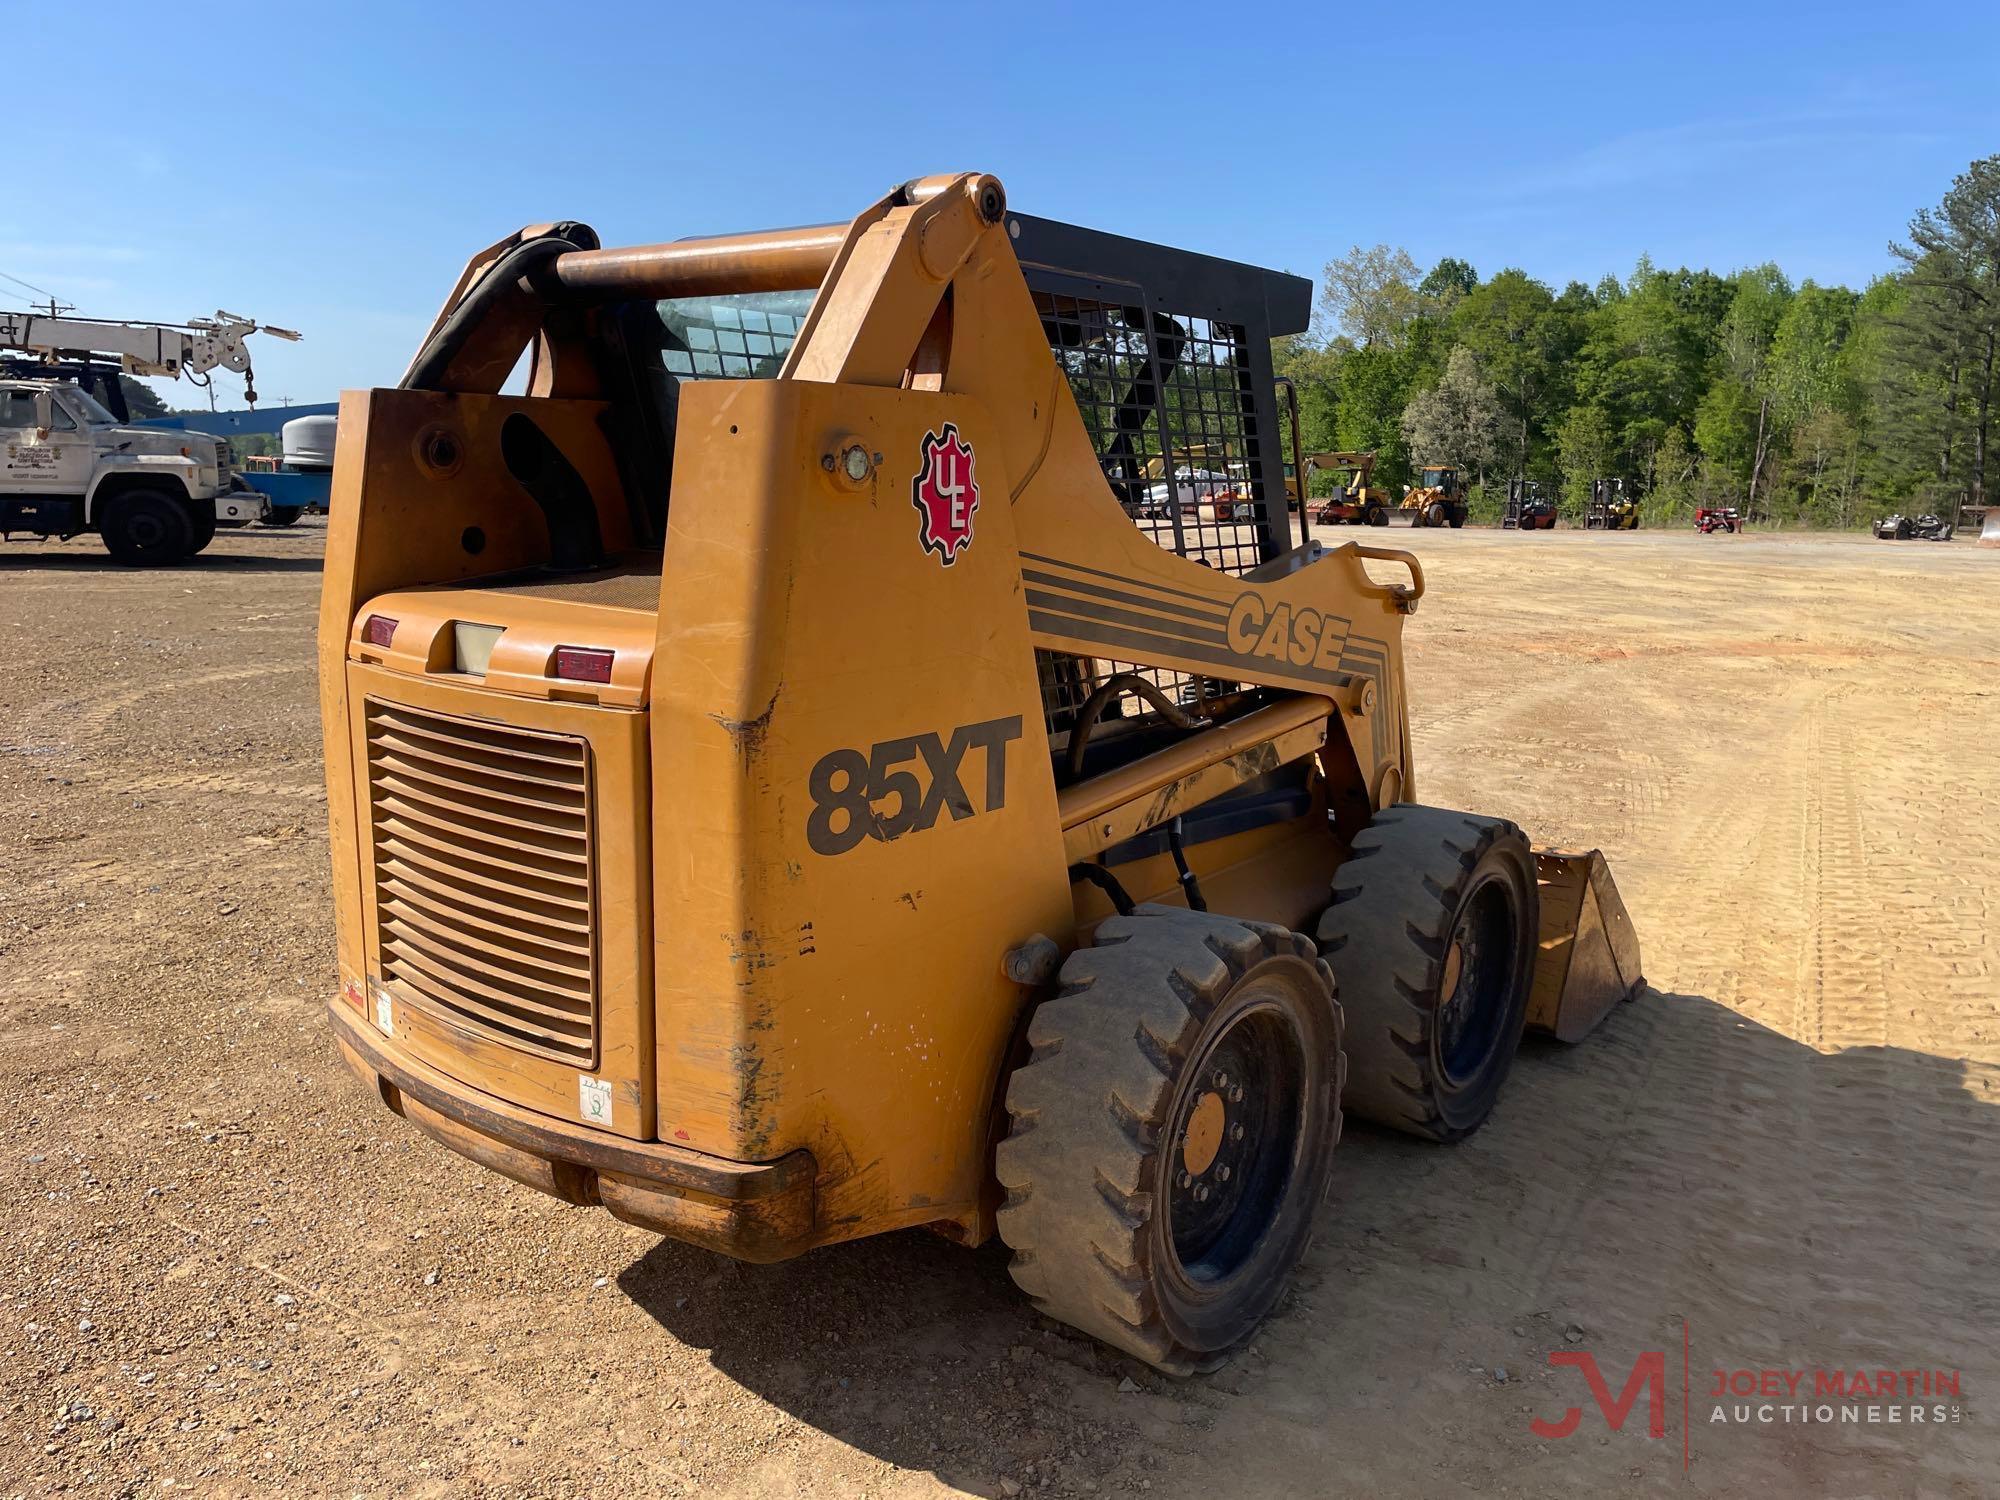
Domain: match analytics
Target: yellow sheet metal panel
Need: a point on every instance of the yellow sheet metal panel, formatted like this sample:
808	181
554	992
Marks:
853	806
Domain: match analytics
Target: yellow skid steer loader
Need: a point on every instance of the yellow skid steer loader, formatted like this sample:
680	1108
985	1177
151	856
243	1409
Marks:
790	780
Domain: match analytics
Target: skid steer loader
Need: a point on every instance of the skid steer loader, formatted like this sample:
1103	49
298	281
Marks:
788	784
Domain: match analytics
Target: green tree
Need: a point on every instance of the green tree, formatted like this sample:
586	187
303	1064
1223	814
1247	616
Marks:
1953	261
1671	499
1762	295
1370	296
1374	389
141	400
1585	446
1459	420
1447	284
1510	324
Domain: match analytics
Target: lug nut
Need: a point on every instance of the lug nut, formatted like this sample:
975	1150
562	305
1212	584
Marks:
1201	1193
1236	1132
1221	1079
1236	1094
1187	1179
1222	1174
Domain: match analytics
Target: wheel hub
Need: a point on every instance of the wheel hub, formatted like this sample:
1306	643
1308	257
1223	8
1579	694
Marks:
1472	984
1206	1123
1233	1147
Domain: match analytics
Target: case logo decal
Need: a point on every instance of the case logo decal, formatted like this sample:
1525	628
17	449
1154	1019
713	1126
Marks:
945	494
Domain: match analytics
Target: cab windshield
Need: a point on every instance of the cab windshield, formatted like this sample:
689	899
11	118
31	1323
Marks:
736	336
88	407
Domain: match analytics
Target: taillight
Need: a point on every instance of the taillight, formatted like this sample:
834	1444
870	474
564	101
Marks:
379	631
583	664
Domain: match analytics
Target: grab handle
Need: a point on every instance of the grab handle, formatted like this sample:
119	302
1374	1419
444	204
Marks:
1405	595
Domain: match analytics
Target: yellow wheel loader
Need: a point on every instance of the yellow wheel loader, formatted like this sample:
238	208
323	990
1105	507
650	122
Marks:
1436	499
788	783
1354	501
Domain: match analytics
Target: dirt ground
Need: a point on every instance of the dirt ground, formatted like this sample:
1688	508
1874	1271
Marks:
224	1269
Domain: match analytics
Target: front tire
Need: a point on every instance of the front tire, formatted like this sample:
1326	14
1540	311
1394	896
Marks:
1431	937
201	527
147	528
282	515
1172	1132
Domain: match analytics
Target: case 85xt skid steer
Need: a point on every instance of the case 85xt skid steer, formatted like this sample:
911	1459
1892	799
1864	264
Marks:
788	783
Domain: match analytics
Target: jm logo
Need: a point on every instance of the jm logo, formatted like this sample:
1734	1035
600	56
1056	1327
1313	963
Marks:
1649	1374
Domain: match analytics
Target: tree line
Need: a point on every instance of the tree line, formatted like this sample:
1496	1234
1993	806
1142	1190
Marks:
1801	404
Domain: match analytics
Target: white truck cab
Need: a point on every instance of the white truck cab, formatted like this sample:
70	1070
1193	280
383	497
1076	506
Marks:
67	466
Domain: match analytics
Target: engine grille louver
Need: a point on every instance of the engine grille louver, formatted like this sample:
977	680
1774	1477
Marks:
485	900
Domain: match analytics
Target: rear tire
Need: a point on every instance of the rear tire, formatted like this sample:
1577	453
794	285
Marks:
146	528
1431	937
282	515
1172	1132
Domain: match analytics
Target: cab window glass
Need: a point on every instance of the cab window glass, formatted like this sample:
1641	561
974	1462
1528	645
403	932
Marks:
60	420
17	409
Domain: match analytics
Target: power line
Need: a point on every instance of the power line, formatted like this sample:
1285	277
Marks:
44	291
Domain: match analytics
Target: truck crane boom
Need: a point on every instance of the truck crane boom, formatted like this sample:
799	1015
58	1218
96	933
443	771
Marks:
192	348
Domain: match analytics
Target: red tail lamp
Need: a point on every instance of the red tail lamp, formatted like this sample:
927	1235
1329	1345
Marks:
583	663
379	631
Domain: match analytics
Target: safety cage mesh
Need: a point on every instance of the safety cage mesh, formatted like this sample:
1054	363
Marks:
1169	402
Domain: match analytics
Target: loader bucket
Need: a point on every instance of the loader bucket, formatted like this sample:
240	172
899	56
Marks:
1588	956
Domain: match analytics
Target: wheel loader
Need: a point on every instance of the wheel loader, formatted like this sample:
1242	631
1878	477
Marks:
1436	499
786	786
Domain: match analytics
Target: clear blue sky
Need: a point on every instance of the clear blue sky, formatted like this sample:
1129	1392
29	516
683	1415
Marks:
330	168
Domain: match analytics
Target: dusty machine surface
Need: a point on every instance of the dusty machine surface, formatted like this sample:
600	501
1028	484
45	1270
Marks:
1354	501
1528	508
790	781
1612	507
1437	498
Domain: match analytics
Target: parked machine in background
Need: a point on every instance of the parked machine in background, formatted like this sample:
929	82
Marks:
789	796
1354	502
1437	498
1528	508
1611	507
1711	518
74	464
1898	527
69	466
301	478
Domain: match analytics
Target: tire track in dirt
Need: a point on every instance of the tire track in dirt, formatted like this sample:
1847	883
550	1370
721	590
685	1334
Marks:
81	722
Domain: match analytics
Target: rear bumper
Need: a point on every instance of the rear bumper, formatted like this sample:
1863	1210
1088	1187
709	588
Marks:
754	1211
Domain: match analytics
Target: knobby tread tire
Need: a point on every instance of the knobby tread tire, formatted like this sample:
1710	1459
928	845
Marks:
1088	1109
1386	936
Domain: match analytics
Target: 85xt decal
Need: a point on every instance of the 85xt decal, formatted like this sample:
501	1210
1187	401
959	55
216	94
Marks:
921	771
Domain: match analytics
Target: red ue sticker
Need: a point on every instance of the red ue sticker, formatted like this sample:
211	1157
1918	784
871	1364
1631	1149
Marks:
945	494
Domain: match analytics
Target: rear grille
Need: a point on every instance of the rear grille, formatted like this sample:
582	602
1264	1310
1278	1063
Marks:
484	900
